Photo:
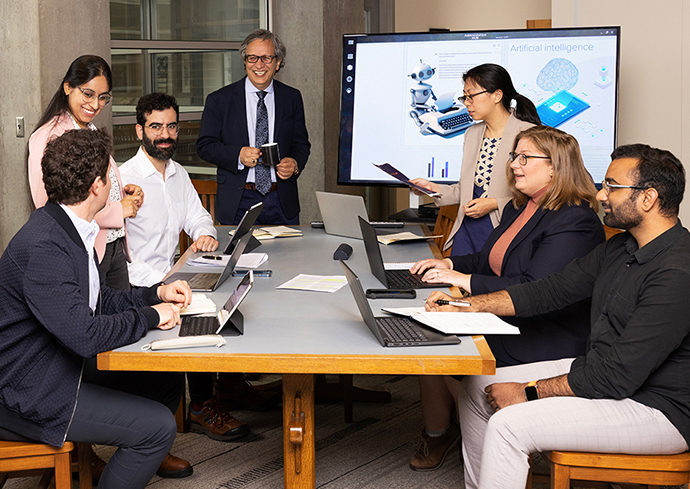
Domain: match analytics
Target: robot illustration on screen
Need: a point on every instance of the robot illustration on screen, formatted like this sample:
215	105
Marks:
446	116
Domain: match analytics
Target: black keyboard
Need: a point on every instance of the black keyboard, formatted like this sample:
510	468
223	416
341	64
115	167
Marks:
400	330
376	224
203	281
403	279
198	325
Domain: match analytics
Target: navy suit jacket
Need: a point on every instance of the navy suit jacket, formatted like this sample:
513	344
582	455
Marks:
224	133
546	243
47	327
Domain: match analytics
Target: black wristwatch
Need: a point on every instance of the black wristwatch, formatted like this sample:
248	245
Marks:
532	391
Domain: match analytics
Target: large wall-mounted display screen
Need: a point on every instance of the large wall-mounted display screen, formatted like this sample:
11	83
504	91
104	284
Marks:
399	97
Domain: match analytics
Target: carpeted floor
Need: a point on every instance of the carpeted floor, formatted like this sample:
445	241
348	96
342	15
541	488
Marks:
371	452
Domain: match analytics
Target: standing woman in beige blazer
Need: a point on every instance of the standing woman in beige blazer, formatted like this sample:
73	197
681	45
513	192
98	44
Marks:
482	192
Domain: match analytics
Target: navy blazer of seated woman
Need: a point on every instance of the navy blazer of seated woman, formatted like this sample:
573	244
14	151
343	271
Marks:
545	244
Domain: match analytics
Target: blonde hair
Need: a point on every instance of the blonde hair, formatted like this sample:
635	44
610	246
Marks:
571	183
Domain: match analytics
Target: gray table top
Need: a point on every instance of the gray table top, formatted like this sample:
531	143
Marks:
290	322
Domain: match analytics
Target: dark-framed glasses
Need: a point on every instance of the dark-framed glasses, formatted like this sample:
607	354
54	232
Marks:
523	158
608	186
89	96
469	97
157	129
253	58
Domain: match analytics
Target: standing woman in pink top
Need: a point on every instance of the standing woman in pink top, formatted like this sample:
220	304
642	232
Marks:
83	92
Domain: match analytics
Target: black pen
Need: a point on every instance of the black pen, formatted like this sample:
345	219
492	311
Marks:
442	302
212	257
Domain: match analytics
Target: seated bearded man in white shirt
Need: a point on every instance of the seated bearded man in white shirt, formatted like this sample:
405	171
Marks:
171	205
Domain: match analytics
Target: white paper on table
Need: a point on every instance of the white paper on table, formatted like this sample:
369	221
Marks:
282	231
200	305
252	260
205	262
315	283
462	323
398	265
402	237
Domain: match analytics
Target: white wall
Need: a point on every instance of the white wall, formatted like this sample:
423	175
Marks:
416	16
654	68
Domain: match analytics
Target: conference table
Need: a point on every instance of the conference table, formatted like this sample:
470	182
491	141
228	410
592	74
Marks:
302	333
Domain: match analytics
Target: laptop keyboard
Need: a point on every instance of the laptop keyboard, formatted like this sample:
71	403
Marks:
400	330
198	325
402	279
203	281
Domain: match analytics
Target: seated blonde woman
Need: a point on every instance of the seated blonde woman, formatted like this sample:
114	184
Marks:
550	221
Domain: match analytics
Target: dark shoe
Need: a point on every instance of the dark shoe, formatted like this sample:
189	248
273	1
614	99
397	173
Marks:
242	395
174	468
432	451
215	422
97	466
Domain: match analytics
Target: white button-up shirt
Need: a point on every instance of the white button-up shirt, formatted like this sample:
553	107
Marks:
87	232
170	206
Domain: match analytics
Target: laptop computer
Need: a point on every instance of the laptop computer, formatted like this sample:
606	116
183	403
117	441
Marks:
391	279
245	226
208	282
199	325
394	330
339	213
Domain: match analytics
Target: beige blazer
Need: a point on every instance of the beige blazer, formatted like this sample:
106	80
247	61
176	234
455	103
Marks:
463	191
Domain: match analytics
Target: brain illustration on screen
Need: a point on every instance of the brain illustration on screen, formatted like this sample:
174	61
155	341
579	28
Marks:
558	74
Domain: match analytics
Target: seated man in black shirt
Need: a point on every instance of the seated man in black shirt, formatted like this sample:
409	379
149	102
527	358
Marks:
629	393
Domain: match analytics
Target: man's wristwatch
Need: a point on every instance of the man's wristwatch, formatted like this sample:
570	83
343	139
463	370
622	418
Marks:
296	172
532	391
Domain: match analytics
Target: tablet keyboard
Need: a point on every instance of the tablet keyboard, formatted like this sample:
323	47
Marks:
198	325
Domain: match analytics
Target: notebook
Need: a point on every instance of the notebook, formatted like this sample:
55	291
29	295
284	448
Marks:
391	279
339	213
208	282
245	226
201	325
394	331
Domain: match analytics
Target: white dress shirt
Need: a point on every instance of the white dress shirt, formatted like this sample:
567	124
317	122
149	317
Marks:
87	232
170	206
252	99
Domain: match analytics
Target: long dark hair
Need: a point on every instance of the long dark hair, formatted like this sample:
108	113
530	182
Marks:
82	70
494	77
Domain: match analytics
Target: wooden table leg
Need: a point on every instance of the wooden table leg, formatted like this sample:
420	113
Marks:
299	450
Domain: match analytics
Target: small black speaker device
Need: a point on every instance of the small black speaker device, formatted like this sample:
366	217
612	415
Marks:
343	252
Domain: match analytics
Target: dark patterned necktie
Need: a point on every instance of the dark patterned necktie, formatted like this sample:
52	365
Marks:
262	174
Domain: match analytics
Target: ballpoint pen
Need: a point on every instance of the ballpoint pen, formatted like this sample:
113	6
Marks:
212	257
442	302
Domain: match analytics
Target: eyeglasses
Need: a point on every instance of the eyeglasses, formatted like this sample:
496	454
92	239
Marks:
470	96
253	58
157	129
89	96
523	158
606	186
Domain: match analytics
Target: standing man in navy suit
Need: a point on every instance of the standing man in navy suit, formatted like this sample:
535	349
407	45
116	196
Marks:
228	137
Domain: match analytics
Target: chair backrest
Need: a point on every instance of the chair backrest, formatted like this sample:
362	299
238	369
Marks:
447	215
207	190
609	231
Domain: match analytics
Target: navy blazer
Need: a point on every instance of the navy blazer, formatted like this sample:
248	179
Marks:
224	133
546	243
47	327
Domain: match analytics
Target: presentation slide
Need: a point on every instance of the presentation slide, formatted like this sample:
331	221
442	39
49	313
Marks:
401	97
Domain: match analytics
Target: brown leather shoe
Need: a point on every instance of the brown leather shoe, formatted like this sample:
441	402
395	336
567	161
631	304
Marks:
216	422
174	468
432	450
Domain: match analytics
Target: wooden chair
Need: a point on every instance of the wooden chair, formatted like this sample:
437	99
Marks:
207	190
652	470
20	457
444	225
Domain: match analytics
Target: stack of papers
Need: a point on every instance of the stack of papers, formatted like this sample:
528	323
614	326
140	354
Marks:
252	260
461	323
272	232
276	232
315	283
200	305
405	236
216	261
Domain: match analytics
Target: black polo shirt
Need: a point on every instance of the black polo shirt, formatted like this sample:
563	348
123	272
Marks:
639	346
